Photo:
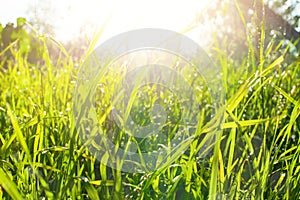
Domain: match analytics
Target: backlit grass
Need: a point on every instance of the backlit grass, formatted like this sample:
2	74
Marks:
256	154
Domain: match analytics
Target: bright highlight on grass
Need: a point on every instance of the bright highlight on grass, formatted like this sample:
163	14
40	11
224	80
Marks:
154	102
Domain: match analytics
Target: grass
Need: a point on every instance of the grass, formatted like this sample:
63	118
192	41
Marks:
256	154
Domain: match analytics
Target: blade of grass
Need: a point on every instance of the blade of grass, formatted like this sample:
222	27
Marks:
9	186
18	132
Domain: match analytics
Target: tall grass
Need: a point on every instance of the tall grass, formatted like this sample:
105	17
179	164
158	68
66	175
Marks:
256	154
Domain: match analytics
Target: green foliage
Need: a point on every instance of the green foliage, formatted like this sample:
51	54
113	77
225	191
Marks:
256	155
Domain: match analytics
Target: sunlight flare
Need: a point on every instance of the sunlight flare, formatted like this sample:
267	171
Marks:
83	17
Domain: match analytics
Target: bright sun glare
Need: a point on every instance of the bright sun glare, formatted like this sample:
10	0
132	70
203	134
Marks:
121	16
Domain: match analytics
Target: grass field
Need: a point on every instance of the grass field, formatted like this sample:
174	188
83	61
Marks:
256	154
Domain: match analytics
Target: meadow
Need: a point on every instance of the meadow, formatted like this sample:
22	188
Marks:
256	153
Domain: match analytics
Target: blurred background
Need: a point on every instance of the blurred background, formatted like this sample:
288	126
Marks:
76	22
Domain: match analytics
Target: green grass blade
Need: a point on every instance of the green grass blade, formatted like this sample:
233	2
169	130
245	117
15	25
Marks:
19	133
9	186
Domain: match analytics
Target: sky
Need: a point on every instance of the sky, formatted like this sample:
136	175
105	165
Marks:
10	10
119	15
